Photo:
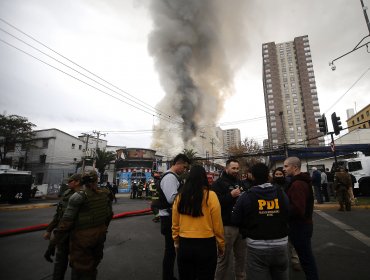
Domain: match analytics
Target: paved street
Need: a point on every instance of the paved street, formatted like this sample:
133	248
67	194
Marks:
134	245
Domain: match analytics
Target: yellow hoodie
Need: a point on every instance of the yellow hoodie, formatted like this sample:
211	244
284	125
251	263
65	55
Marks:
206	226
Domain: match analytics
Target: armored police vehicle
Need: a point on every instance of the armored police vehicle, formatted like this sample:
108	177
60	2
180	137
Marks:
15	185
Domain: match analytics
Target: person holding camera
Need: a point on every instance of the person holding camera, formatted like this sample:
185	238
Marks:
227	189
86	221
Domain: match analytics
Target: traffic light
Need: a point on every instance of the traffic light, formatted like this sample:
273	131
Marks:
336	123
323	126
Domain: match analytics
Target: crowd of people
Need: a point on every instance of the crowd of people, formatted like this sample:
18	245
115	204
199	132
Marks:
253	227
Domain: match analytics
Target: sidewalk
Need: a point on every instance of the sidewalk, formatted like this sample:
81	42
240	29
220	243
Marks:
45	202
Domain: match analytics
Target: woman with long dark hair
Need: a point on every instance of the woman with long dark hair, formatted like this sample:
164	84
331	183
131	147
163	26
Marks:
197	227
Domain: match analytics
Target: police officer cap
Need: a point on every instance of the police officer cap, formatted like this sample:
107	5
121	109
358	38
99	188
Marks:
74	177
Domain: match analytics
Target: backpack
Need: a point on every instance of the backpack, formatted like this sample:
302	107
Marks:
161	202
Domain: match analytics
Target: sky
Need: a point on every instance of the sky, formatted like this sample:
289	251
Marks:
111	40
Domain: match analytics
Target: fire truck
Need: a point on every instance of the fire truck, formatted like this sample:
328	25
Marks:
15	185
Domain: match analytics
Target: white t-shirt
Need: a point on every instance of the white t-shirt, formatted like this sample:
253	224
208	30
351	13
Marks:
169	186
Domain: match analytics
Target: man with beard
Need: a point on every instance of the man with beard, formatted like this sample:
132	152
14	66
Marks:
227	189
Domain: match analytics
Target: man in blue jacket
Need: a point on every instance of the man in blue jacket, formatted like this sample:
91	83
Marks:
262	214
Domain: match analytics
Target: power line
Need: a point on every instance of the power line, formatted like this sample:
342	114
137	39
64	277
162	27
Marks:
362	75
86	83
157	111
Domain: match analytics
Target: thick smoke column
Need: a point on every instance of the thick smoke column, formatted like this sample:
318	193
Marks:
197	46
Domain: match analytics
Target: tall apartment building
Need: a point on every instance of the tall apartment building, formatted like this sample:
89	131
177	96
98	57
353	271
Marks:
292	106
231	138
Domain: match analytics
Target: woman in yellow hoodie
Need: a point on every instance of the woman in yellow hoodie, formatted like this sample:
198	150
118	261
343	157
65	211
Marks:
197	228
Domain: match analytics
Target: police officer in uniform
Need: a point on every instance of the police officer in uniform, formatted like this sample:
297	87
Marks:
62	250
86	220
342	183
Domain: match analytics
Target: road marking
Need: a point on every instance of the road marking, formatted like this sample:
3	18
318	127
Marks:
348	229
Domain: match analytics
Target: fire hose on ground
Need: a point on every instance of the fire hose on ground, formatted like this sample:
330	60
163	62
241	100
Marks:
44	226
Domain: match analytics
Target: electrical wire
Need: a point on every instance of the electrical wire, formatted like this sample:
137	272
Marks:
94	87
44	45
362	75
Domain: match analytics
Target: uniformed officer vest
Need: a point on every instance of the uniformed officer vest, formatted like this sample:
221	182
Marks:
269	218
94	211
63	203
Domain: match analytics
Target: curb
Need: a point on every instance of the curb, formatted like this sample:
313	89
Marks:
336	206
26	207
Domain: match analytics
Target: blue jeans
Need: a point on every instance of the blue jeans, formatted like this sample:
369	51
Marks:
300	235
271	263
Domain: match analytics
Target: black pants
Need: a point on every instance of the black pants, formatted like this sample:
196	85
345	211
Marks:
197	258
169	248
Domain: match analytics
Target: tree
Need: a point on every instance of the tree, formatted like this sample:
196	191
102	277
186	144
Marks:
248	146
14	130
103	158
190	153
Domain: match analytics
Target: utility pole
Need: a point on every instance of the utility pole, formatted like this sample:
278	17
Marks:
213	156
365	15
98	133
332	144
284	134
86	146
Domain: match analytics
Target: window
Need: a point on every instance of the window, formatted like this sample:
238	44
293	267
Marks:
73	145
273	123
353	122
80	147
42	159
273	129
354	166
271	107
271	101
45	143
362	116
39	178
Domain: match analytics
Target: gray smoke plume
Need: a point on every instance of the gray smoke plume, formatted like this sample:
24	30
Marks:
197	46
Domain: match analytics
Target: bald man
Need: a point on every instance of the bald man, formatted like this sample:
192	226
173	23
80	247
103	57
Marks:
301	200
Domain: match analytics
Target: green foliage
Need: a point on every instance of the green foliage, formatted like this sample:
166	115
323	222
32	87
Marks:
14	130
190	153
248	146
103	159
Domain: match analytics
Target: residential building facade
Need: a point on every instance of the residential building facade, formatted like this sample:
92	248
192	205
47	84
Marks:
359	120
231	138
291	101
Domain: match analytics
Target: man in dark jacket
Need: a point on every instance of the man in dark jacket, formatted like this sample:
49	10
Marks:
262	214
227	189
301	208
316	182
